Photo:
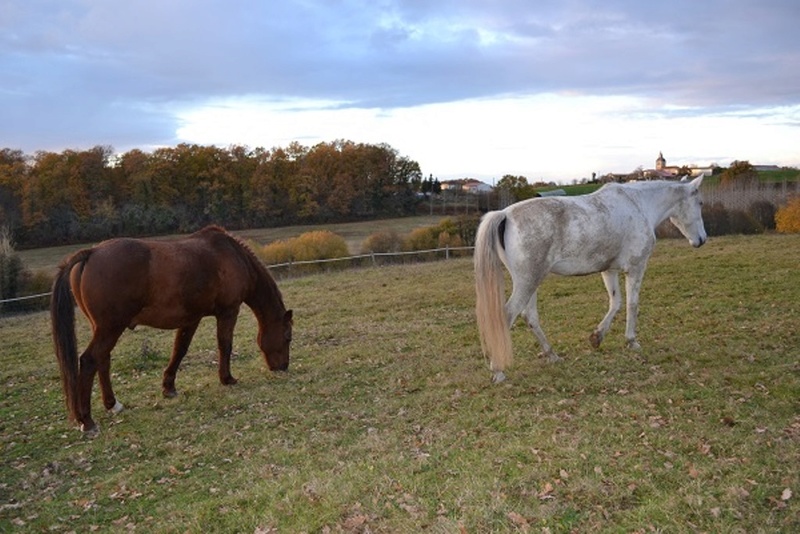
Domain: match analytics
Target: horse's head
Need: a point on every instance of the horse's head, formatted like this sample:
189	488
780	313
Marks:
687	215
274	340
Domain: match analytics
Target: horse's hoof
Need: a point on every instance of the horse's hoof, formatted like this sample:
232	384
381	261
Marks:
118	407
229	381
169	393
498	377
634	345
553	358
595	339
90	433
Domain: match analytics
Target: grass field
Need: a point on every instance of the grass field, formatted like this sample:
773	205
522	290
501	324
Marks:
387	420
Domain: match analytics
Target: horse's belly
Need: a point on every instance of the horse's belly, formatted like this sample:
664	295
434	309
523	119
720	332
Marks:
581	267
166	319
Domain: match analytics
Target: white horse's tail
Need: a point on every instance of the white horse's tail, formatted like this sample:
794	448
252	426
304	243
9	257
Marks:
490	292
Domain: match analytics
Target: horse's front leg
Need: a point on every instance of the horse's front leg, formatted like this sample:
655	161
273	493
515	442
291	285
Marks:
611	281
225	326
183	338
633	283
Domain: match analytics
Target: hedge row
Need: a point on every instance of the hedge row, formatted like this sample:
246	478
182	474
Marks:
759	217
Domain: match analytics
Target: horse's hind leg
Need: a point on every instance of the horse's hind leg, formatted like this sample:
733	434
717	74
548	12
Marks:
532	318
96	359
611	281
183	338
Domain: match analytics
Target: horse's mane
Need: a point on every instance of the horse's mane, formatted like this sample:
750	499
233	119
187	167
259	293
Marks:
645	184
248	251
250	257
645	187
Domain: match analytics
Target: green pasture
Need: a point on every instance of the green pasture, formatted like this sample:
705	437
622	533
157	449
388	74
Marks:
387	420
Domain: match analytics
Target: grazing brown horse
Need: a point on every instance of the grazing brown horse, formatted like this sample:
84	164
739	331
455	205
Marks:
172	285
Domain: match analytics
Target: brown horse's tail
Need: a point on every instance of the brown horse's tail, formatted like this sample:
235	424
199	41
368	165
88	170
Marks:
490	291
62	317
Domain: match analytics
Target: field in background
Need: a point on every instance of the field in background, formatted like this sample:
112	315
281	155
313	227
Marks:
387	421
775	187
354	234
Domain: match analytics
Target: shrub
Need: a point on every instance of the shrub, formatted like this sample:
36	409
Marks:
16	281
468	228
11	270
787	218
715	217
382	241
763	212
740	222
422	239
318	245
276	252
449	240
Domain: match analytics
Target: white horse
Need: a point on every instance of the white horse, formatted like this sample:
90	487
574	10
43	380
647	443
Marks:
608	231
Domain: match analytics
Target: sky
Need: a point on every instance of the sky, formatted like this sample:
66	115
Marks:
552	90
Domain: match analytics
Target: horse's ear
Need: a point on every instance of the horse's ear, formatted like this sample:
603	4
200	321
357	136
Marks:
287	317
697	182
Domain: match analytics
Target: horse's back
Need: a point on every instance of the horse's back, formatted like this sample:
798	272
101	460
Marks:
573	235
165	284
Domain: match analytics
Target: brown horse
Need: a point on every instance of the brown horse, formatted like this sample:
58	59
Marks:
122	283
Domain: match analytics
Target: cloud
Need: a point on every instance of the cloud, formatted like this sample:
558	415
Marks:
137	74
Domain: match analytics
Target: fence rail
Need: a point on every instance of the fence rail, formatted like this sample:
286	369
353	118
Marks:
26	297
776	193
373	256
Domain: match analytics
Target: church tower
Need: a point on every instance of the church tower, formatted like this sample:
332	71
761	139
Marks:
661	163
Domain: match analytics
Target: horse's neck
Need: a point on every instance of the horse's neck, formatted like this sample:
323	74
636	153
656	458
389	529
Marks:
265	298
656	202
262	294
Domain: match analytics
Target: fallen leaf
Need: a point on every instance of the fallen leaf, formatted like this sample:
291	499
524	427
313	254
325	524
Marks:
519	521
355	522
786	495
546	492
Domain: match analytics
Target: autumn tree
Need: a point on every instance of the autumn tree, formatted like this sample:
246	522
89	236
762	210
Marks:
516	186
739	174
13	173
92	194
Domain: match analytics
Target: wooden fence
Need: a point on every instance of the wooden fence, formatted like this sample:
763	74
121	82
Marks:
286	270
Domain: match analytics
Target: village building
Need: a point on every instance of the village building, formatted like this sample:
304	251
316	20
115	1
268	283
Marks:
466	185
662	171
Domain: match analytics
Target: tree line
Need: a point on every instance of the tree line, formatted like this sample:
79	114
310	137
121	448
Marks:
87	195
